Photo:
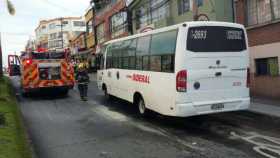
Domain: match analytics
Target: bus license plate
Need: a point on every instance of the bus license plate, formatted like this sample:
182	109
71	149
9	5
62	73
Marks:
218	106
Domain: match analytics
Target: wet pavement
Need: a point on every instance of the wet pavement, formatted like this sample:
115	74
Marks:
65	127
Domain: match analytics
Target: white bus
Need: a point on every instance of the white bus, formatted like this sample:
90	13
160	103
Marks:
187	69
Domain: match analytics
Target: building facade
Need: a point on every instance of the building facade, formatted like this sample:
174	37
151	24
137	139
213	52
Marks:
152	14
30	45
55	33
262	20
78	44
90	39
110	21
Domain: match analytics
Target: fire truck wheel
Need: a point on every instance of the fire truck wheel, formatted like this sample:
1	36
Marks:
64	92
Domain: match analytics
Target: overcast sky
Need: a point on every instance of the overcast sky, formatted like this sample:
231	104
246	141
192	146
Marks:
17	29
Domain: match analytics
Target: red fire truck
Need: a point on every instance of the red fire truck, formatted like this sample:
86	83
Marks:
42	70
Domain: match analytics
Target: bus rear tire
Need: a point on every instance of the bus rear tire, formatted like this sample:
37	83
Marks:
142	107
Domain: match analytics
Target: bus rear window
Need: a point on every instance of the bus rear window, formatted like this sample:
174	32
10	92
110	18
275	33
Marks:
48	55
216	39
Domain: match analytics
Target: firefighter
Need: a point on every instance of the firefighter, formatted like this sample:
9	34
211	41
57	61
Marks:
83	80
77	62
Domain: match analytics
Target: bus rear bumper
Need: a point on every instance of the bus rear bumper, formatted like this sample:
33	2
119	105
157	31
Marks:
202	108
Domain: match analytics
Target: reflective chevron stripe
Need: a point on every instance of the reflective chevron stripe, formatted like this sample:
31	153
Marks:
31	77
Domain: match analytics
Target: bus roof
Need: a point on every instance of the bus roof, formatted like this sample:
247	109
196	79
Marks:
176	26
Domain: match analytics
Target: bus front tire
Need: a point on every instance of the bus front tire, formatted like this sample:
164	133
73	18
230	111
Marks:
106	94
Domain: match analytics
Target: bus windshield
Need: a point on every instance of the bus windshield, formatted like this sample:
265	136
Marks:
48	55
216	39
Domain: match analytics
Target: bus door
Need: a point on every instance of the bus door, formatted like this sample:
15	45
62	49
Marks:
14	65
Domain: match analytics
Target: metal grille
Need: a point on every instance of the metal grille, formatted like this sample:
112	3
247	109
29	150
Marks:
262	11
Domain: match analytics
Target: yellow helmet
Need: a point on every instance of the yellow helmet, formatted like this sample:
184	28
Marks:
81	66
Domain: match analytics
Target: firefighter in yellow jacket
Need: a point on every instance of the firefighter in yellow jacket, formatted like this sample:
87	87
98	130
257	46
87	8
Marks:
82	80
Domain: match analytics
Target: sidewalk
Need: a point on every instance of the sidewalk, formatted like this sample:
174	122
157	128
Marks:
265	106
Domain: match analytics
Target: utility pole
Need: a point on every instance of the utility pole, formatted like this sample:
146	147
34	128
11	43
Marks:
61	29
1	61
93	21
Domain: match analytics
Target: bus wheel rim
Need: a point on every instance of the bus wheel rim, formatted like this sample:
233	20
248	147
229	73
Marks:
141	107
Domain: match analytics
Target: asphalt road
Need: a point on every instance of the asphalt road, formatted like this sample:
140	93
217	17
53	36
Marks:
65	127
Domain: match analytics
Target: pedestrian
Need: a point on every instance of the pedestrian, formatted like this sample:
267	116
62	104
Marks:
83	80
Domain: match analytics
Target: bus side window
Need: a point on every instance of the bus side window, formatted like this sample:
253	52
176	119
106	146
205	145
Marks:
109	58
124	57
101	60
142	53
116	54
100	57
163	47
131	50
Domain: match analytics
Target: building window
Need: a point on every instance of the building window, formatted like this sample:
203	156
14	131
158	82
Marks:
77	33
152	12
79	23
64	22
159	9
183	6
118	24
267	66
199	3
141	17
59	35
262	11
53	36
100	33
89	27
52	26
276	8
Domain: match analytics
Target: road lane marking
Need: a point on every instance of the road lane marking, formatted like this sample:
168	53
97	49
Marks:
260	147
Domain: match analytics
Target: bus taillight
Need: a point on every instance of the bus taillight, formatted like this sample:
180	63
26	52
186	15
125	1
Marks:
181	81
248	78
